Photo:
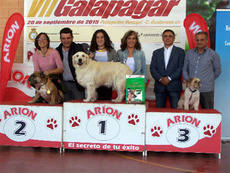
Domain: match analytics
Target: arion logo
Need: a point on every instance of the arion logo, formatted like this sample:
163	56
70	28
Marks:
102	8
195	28
7	42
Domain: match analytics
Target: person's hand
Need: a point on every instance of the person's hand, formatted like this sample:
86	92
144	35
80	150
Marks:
46	72
165	80
91	55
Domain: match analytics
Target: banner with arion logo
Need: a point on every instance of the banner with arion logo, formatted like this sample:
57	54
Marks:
10	42
193	24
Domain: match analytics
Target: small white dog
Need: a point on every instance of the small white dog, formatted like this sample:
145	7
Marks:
92	74
191	97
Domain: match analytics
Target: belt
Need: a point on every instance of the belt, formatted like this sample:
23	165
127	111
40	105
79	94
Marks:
72	81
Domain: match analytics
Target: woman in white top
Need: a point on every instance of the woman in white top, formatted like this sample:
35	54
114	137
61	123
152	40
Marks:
101	49
131	53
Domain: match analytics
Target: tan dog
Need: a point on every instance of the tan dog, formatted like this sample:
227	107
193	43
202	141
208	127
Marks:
92	74
191	97
45	88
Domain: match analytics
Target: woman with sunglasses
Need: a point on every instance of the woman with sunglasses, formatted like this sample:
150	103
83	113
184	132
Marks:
46	59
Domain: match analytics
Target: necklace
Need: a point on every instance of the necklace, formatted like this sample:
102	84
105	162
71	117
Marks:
100	49
44	53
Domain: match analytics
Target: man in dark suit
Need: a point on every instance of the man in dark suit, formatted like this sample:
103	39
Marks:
166	68
67	48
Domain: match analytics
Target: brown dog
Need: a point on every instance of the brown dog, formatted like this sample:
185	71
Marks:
191	97
45	88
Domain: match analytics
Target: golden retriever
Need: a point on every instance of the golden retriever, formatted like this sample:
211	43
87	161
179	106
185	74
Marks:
92	74
191	97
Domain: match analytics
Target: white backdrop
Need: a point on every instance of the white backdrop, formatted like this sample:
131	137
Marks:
149	18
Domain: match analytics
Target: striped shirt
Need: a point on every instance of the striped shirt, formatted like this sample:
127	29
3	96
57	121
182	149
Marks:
49	62
205	66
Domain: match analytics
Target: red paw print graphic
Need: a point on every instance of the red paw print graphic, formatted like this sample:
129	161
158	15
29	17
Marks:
156	131
75	121
51	123
209	130
133	119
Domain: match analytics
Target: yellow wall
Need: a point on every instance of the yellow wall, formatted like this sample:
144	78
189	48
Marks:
8	7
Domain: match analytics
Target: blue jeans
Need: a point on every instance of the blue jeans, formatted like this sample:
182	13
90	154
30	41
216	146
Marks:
161	98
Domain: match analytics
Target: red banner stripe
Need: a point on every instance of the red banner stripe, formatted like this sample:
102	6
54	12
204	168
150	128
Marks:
104	146
4	140
193	24
10	42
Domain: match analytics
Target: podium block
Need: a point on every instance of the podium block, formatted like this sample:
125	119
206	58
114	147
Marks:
104	126
183	131
31	125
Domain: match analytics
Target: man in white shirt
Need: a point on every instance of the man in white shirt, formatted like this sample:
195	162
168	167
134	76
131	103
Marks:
166	68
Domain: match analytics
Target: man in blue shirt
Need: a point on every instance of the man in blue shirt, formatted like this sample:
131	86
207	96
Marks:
203	63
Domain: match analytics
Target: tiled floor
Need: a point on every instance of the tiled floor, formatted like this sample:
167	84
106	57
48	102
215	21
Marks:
46	160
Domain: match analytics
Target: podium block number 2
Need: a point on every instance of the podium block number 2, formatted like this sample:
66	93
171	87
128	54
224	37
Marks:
19	128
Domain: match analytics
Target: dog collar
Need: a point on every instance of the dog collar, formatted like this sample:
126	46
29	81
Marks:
192	90
42	84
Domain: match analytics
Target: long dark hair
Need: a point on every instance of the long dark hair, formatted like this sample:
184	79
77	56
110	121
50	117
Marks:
37	38
125	37
108	42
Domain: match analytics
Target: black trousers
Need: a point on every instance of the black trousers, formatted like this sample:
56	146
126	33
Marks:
71	92
104	93
161	98
207	100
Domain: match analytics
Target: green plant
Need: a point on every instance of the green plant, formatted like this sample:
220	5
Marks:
203	7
